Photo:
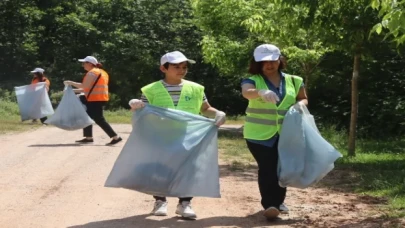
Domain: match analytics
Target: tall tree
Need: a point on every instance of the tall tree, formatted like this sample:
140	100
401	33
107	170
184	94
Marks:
344	26
233	28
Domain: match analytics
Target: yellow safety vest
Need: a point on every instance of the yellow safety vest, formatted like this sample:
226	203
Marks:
191	96
263	119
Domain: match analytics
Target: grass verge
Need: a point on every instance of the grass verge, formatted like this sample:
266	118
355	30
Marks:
378	169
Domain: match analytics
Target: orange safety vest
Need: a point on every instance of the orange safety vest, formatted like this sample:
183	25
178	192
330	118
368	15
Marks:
35	80
100	90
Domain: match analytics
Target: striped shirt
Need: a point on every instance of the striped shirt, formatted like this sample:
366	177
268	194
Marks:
174	92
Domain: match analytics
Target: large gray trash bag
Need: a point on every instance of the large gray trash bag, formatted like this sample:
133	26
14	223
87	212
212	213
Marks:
70	114
33	101
169	153
305	157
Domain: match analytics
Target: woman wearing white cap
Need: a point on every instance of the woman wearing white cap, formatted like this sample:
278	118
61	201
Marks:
95	89
270	93
39	76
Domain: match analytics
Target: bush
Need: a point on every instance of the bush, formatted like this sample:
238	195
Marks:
8	109
7	95
114	103
56	97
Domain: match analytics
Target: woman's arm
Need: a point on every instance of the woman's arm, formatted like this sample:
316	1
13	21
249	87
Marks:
75	84
78	90
249	91
302	96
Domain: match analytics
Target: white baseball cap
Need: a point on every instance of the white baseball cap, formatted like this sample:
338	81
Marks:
89	59
38	70
266	52
174	57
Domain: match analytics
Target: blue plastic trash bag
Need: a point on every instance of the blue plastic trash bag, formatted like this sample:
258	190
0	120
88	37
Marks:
169	153
70	114
305	157
33	101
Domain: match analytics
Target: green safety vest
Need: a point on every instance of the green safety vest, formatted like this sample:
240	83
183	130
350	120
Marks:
263	119
191	96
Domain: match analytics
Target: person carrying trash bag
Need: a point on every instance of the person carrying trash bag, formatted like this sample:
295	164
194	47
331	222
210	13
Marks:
176	93
271	93
39	76
95	89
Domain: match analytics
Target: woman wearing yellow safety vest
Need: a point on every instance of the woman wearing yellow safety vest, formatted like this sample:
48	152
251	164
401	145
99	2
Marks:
95	89
270	93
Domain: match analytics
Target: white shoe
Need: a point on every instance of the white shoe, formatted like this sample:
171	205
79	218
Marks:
184	209
283	209
271	213
160	208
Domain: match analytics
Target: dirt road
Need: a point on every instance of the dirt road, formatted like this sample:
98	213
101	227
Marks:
48	181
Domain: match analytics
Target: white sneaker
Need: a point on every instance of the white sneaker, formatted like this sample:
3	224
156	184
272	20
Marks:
283	209
160	208
184	209
271	213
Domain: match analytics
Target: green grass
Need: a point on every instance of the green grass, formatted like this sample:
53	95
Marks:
122	116
234	151
10	120
378	170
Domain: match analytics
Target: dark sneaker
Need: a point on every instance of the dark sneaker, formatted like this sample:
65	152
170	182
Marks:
85	140
114	141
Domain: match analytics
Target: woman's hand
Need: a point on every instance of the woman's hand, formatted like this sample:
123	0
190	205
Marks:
67	83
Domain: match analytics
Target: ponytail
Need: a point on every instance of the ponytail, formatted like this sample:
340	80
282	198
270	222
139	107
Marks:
99	65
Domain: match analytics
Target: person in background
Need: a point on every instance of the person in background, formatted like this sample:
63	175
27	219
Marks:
270	93
95	89
39	76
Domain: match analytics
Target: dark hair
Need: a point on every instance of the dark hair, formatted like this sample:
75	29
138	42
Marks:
98	65
257	67
166	65
40	76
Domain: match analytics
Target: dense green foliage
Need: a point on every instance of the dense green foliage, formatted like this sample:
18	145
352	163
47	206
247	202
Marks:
129	37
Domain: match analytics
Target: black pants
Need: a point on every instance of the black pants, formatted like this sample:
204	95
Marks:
43	119
267	158
95	111
162	198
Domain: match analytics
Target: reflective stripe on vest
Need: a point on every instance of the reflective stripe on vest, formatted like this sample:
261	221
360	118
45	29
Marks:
190	100
265	111
100	90
263	119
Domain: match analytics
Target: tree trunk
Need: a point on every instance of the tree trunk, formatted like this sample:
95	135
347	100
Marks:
306	72
355	97
307	81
